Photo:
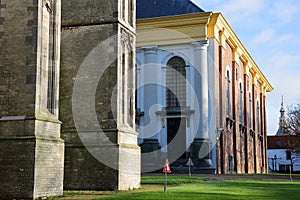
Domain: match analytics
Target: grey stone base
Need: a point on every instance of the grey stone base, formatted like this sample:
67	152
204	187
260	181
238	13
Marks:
84	172
200	154
151	155
150	145
31	167
105	166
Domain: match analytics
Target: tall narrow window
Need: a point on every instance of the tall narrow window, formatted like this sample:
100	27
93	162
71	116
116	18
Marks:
124	105
51	57
251	111
176	83
131	8
241	103
258	118
124	9
228	94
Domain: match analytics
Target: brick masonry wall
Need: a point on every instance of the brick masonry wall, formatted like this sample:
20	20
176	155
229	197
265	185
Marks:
247	149
228	134
238	74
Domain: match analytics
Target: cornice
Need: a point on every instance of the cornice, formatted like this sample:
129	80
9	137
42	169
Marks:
194	19
179	29
220	29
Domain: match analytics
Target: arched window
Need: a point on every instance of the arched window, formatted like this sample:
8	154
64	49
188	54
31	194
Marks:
251	111
176	83
228	94
241	103
258	118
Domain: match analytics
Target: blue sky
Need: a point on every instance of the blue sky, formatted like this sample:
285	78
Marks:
270	31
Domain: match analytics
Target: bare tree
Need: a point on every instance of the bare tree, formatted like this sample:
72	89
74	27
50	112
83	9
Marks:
293	127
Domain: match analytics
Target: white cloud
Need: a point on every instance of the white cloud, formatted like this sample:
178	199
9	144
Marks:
285	12
270	37
278	64
264	37
239	10
282	71
286	37
242	6
234	8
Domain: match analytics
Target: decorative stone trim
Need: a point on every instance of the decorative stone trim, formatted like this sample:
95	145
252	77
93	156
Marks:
252	133
243	129
229	123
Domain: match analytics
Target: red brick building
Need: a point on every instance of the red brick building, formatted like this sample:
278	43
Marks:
242	114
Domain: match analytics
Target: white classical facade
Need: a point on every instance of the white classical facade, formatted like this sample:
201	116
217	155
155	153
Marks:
173	99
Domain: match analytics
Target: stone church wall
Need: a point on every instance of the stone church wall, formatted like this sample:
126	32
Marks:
85	26
32	153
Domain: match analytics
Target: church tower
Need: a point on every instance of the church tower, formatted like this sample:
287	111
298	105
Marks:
282	130
31	150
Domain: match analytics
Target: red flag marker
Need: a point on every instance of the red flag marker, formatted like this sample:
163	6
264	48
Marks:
167	168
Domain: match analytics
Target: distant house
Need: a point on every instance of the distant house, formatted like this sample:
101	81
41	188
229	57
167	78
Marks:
280	157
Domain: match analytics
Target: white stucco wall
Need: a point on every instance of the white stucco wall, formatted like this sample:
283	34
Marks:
281	159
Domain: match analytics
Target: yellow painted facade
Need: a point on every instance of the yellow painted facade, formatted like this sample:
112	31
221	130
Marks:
187	28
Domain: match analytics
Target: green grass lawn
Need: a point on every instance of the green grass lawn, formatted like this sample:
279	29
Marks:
181	188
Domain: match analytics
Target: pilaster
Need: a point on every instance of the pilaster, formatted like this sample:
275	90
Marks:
150	147
201	85
201	146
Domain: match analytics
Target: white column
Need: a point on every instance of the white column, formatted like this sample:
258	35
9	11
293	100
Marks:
201	86
150	90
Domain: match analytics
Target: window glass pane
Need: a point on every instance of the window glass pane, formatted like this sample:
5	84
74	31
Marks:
176	83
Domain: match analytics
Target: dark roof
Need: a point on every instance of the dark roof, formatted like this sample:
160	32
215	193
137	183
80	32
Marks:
278	142
159	8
